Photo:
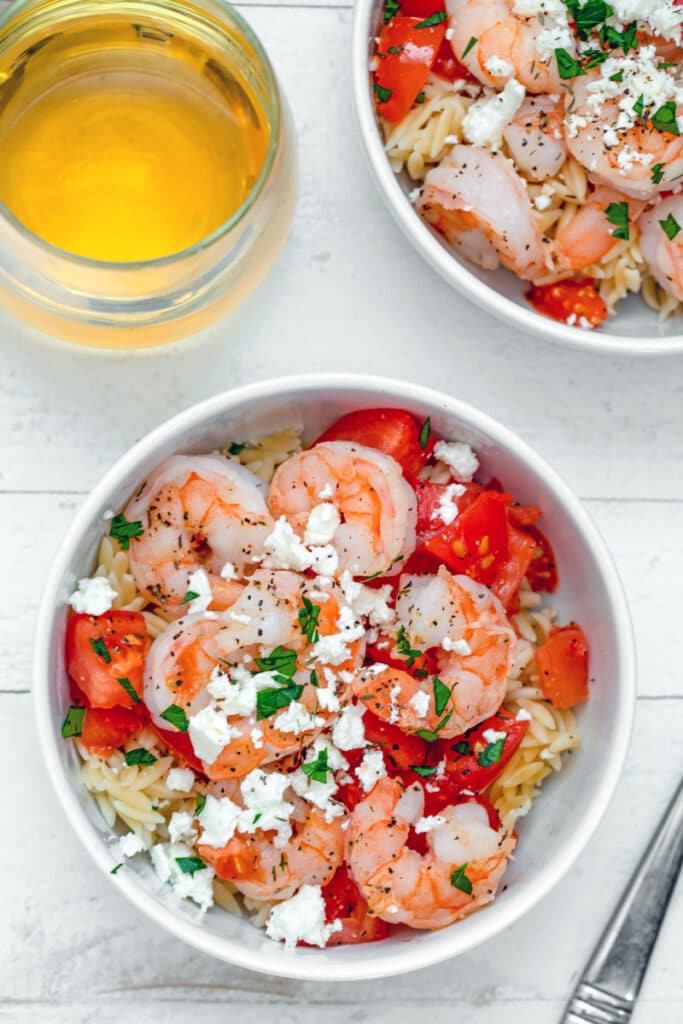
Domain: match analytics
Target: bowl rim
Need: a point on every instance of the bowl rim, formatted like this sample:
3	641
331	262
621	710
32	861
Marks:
440	259
410	955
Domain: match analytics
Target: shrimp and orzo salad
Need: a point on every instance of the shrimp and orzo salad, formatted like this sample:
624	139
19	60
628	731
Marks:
544	136
319	687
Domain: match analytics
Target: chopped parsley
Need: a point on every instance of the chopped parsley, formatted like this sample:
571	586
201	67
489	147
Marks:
390	9
618	76
188	865
314	678
73	723
626	40
404	648
191	595
664	119
139	756
670	227
281	660
382	94
425	433
617	214
459	880
442	695
236	449
426	771
100	649
473	42
317	770
123	531
567	66
176	716
395	50
430	735
433	19
462	747
128	687
308	620
657	175
639	105
272	700
420	98
589	15
115	869
492	753
200	804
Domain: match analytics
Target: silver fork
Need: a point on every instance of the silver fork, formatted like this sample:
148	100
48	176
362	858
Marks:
608	989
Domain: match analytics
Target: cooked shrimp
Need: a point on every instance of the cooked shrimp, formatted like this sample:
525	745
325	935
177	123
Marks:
506	44
219	664
590	235
621	157
196	511
376	505
664	255
407	887
458	200
264	868
476	644
535	137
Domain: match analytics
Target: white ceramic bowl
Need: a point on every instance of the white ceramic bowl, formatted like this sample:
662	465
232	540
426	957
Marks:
571	806
634	330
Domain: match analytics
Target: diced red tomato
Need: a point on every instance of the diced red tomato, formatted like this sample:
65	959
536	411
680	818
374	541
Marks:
470	761
105	729
385	655
476	543
420	8
392	431
563	666
343	902
448	66
520	554
400	749
179	744
569	299
542	573
521	515
405	53
103	649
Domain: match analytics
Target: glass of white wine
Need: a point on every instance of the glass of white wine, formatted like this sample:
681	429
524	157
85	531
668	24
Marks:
148	172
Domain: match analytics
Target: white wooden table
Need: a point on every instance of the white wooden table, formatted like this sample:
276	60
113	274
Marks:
346	293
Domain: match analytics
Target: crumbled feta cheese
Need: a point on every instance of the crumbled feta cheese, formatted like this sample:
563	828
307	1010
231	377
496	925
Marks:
328	699
348	732
457	646
492	735
181	826
554	31
415	194
326	492
196	886
236	693
316	791
210	733
459	457
93	596
542	202
199	584
523	715
301	919
181	780
371	769
264	806
665	17
429	823
219	818
243	620
284	550
498	67
257	737
486	119
324	559
420	702
129	845
332	649
322	524
393	707
447	507
297	719
229	572
371	602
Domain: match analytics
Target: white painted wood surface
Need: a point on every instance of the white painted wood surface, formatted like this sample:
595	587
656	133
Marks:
345	294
